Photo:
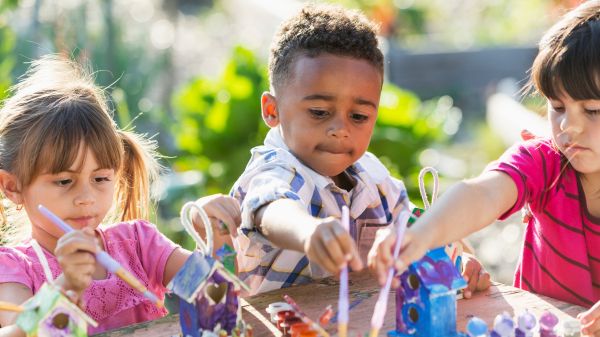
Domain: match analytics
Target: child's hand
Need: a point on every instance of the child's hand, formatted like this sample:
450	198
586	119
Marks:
222	210
332	247
477	277
75	252
380	258
590	321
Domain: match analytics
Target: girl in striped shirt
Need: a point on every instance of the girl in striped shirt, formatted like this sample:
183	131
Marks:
557	179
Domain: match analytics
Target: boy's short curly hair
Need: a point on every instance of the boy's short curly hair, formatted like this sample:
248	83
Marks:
319	29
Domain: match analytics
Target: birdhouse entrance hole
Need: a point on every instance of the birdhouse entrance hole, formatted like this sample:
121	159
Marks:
413	282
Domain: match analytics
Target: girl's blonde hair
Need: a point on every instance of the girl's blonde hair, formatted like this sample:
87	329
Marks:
54	110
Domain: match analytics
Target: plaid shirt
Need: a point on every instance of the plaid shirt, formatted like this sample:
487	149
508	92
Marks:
274	173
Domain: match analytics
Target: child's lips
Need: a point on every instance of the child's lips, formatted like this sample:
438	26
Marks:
82	221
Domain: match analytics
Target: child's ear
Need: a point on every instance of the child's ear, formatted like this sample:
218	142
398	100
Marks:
9	185
268	106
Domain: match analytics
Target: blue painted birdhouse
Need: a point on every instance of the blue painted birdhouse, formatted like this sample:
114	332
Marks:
426	298
209	296
50	314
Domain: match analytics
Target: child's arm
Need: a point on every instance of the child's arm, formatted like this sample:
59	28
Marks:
16	293
220	209
465	208
324	241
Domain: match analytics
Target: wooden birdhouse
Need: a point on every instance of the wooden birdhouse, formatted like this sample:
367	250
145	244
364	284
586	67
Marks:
208	292
50	314
426	298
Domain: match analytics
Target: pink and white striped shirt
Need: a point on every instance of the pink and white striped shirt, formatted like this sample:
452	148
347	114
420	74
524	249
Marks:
558	258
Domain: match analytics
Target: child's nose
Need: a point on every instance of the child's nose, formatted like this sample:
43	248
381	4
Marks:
338	128
84	196
571	123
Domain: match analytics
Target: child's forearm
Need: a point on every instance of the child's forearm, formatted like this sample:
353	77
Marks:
11	331
285	224
467	207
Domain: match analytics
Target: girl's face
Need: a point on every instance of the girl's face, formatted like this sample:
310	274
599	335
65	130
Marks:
82	196
576	131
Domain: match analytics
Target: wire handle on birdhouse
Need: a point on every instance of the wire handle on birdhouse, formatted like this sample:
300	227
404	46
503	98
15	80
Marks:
186	220
434	193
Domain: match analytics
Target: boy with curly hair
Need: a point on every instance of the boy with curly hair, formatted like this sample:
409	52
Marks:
326	75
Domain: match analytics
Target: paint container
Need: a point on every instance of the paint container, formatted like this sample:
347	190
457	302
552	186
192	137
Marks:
297	328
308	333
276	307
571	328
282	315
287	324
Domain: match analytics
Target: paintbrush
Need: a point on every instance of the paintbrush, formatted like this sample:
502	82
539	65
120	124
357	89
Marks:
381	305
106	260
343	298
7	306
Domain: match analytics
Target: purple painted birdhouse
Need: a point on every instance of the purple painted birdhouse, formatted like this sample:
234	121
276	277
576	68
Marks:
208	295
426	298
208	292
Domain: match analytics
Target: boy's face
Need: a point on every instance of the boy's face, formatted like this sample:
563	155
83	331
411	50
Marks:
327	110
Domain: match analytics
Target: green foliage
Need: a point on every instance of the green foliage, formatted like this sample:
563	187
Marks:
405	127
218	122
7	60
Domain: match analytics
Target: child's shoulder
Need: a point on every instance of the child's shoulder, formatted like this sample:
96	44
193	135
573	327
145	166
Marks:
130	230
21	253
371	165
536	148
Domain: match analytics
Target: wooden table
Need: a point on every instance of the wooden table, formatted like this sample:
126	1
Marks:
314	297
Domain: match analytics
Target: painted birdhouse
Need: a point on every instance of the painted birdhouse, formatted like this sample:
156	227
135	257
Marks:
209	296
50	314
426	298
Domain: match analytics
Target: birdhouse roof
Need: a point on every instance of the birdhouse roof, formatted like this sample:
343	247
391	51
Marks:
44	301
437	272
192	277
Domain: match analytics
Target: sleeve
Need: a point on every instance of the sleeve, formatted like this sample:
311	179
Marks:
525	164
155	249
14	267
397	198
273	181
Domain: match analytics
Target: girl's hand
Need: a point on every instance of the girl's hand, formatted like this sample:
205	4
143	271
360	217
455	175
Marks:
332	247
380	258
75	252
590	321
477	277
224	214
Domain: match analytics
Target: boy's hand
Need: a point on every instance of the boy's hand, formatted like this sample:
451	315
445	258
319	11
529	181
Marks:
224	214
332	247
590	321
380	258
477	277
75	252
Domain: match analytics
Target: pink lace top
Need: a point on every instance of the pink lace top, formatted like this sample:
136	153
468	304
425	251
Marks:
137	245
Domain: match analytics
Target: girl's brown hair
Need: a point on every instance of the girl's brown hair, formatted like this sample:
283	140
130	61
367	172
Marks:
54	110
568	61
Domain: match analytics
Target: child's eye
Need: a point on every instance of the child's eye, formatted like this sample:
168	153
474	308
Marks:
592	112
318	113
359	117
558	109
63	182
101	179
